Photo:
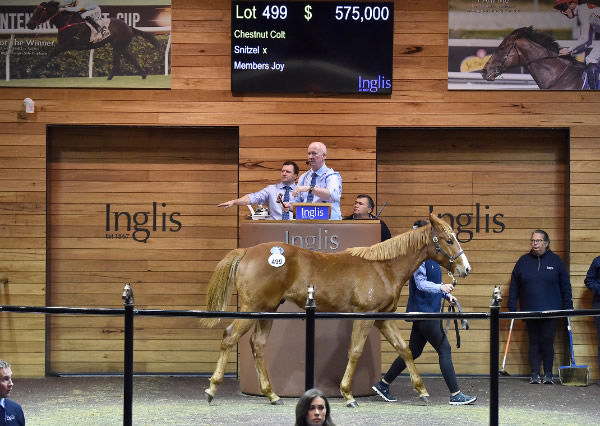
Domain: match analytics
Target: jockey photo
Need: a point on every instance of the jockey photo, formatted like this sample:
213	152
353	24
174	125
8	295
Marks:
588	20
89	11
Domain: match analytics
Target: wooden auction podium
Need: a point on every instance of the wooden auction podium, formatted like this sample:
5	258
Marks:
285	352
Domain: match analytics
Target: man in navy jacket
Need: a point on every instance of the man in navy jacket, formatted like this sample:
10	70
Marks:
11	413
541	283
592	281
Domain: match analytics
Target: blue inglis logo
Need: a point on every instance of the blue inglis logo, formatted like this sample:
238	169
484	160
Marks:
373	85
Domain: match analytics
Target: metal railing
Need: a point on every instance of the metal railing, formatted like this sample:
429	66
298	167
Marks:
129	312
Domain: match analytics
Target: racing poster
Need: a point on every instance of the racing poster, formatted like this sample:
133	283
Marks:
86	44
523	45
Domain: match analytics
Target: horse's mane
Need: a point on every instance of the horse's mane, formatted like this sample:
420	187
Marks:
398	245
543	39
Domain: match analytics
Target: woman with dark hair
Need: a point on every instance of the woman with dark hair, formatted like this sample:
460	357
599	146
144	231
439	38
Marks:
540	282
313	409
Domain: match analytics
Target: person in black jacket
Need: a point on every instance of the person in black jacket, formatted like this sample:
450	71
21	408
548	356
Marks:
11	413
363	209
540	282
592	281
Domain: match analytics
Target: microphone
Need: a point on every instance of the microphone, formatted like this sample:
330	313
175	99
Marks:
381	209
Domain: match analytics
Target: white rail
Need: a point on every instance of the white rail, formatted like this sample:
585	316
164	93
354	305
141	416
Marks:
474	80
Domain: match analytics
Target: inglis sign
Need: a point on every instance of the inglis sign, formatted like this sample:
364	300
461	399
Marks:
119	224
483	222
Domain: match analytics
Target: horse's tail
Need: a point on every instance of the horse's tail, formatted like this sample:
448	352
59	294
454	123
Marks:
149	37
220	286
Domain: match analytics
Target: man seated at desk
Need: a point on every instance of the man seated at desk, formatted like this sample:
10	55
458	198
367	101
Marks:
269	194
363	209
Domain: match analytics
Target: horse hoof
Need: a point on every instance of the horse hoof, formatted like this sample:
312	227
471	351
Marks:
110	77
352	404
209	397
144	76
277	402
425	399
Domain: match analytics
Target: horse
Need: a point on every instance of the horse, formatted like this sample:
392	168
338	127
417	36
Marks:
74	34
358	279
538	52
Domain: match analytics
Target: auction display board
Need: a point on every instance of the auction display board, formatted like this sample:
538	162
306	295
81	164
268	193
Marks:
309	47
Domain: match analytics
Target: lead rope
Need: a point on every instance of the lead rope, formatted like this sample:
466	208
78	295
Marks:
465	323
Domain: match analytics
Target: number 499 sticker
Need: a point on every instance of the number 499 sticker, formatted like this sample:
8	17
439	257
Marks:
276	259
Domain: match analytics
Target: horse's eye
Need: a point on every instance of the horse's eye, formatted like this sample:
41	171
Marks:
450	241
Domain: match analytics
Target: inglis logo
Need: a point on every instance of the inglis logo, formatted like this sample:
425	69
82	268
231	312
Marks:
464	220
141	232
373	85
320	241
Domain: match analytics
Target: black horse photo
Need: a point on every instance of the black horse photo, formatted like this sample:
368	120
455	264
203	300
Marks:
75	34
538	53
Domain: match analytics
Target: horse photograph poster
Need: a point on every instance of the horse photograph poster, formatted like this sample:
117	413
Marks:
523	45
86	43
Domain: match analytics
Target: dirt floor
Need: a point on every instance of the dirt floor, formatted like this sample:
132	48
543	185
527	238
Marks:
161	400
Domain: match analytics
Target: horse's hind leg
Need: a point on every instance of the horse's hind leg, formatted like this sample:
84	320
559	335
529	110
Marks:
116	65
391	332
231	336
360	331
258	341
129	56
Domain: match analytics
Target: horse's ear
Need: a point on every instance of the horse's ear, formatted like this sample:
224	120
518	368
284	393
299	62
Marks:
433	218
439	222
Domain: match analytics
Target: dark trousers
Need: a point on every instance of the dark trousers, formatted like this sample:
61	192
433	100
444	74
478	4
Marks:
597	319
541	344
421	333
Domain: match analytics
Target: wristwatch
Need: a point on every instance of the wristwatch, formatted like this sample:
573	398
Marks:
310	190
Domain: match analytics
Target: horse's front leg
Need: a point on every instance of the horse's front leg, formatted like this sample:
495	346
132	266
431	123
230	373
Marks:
258	341
391	332
360	331
41	65
231	336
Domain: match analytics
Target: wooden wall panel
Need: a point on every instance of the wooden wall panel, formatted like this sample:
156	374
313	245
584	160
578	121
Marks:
272	129
489	184
138	203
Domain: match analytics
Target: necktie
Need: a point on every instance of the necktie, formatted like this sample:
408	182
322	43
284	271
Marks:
286	198
313	181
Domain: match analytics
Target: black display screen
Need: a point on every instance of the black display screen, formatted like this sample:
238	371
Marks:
312	47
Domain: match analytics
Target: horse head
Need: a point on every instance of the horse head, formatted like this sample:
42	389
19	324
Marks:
505	56
42	13
448	251
521	47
